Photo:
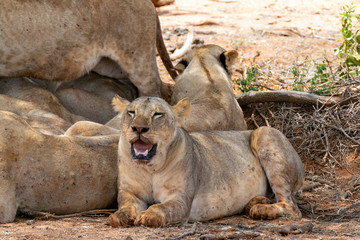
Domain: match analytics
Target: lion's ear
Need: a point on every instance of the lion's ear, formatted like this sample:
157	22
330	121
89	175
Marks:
119	103
228	59
182	111
180	67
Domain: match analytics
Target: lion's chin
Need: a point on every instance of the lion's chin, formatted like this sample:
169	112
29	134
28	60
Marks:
142	152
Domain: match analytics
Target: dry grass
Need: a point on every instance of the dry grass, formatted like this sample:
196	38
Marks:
326	133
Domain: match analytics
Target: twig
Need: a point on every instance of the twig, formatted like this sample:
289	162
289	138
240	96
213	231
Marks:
322	181
253	119
330	68
342	211
47	215
263	116
192	232
310	187
339	129
345	101
294	229
263	86
327	147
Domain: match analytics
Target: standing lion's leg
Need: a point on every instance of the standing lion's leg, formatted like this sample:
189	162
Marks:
144	75
147	80
284	171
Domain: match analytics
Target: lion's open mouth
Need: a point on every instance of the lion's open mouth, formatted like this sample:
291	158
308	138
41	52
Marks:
143	151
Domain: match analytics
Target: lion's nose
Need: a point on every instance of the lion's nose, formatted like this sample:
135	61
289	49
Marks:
140	129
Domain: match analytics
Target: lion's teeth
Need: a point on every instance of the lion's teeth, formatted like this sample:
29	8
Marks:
139	152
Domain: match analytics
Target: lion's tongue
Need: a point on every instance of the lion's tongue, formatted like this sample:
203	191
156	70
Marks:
142	148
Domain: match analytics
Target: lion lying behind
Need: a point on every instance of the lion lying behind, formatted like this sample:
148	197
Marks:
42	171
90	96
167	175
85	98
33	96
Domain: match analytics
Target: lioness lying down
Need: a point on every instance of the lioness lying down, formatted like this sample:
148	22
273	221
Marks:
63	40
91	95
31	94
167	175
54	173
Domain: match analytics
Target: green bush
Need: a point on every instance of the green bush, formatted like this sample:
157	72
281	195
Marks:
349	49
248	83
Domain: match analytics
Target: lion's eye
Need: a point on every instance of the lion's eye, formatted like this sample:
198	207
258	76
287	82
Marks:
158	114
131	113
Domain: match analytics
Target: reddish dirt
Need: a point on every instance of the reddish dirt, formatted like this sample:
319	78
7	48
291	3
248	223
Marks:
274	32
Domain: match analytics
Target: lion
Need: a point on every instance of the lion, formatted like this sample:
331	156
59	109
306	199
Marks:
25	95
59	174
91	96
205	78
169	176
85	98
63	40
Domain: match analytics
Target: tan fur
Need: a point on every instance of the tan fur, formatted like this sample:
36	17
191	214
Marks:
63	40
205	78
53	173
35	97
87	128
201	175
46	122
91	96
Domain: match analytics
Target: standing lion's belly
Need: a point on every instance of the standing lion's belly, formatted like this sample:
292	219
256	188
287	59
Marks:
230	177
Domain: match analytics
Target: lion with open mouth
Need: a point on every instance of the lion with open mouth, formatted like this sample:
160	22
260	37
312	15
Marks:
168	176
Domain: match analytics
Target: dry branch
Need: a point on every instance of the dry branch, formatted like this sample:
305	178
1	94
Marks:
294	229
310	187
47	215
352	206
292	97
192	232
185	48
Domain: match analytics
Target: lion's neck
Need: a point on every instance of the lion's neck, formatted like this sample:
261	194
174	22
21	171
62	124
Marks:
178	150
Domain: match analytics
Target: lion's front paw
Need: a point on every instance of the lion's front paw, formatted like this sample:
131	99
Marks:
150	219
120	218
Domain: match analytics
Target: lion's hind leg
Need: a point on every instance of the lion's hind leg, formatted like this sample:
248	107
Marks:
254	201
284	171
260	207
275	210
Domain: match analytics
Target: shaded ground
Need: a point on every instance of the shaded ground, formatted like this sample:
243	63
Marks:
275	34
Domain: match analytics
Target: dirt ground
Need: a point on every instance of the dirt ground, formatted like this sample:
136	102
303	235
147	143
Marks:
278	33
